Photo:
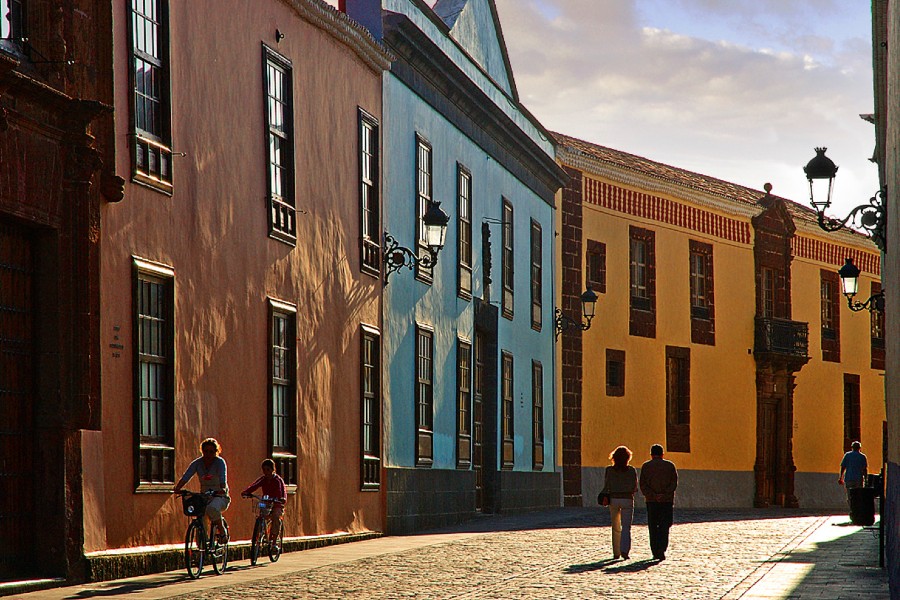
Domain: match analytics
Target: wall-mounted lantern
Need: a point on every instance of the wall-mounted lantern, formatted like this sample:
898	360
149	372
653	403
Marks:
396	256
588	306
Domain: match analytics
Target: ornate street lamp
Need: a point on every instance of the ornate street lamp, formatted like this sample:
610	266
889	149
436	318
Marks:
849	275
396	256
820	172
588	306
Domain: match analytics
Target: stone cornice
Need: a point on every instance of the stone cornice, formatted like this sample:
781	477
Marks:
344	29
719	203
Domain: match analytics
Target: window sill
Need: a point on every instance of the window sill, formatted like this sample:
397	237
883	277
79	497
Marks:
155	488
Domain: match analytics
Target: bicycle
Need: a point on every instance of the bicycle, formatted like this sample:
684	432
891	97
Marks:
262	530
198	546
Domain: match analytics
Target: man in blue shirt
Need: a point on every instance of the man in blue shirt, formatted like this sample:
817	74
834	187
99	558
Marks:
853	469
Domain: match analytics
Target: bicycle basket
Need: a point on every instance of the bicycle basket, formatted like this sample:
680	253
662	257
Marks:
193	505
262	507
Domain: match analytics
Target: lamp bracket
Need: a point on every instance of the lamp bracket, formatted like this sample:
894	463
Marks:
397	257
563	322
871	217
874	303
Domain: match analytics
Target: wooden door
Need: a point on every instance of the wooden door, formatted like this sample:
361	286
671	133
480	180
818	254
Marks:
16	401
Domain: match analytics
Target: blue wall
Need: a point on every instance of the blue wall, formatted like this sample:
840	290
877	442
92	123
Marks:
408	300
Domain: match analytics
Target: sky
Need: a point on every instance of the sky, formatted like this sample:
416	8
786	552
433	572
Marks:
742	91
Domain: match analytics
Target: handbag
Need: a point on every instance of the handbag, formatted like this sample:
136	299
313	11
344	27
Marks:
603	499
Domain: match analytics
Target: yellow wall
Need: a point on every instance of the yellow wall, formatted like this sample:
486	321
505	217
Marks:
723	377
819	395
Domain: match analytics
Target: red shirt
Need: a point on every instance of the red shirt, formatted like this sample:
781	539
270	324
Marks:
271	486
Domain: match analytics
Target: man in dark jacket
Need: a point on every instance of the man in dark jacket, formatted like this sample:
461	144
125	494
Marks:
659	478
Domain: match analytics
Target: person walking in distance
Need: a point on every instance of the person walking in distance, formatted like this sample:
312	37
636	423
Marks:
620	483
658	481
854	467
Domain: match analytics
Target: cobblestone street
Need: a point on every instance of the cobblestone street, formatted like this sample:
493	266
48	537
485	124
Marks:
559	554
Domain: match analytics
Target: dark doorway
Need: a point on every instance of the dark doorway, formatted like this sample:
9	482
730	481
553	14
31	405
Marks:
17	520
478	422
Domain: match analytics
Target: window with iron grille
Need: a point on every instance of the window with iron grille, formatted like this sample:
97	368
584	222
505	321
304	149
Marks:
508	266
876	322
678	399
463	404
424	396
464	224
642	279
154	371
423	200
537	275
831	315
369	194
596	266
506	411
280	145
150	104
283	388
537	415
852	422
371	408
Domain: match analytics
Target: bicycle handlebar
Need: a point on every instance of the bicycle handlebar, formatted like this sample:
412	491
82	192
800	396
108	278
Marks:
262	498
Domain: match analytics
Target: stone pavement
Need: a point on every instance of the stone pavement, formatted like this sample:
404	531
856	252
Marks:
564	553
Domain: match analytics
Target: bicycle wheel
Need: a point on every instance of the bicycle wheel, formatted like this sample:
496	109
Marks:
220	550
259	532
276	548
194	552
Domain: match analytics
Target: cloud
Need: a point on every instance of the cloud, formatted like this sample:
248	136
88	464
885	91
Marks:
740	111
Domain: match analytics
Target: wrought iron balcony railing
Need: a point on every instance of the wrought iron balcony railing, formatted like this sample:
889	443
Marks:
781	336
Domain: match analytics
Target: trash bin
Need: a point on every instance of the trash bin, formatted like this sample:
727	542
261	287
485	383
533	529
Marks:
862	505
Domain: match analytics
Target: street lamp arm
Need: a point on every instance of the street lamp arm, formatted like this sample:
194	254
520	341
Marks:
563	322
397	257
870	217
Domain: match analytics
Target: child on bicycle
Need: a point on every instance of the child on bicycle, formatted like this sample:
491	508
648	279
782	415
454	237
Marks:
272	486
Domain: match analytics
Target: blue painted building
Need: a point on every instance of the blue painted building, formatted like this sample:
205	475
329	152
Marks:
468	346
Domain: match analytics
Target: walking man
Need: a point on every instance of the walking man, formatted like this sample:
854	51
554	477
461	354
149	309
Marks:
854	467
659	478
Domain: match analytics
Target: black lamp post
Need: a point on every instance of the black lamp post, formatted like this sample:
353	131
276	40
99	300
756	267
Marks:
820	172
849	275
588	306
396	256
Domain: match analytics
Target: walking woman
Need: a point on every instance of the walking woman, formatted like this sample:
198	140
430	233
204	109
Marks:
621	482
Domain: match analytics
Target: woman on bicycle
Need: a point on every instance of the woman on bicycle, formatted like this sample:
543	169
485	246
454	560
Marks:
272	486
212	472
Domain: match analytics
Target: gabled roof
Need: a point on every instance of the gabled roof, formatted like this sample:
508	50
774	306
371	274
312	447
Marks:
475	26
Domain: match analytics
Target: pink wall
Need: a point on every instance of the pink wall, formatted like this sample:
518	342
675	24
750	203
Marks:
213	232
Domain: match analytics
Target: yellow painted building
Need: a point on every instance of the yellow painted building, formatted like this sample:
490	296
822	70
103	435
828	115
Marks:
720	332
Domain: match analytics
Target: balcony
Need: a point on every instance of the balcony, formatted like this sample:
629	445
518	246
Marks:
781	339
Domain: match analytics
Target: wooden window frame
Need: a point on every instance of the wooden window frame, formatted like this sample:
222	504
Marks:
464	373
369	194
830	314
702	293
370	408
507	410
768	278
424	396
284	378
424	186
537	416
876	332
678	399
852	413
507	267
595	266
537	275
281	202
154	456
151	145
464	231
642	289
615	357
